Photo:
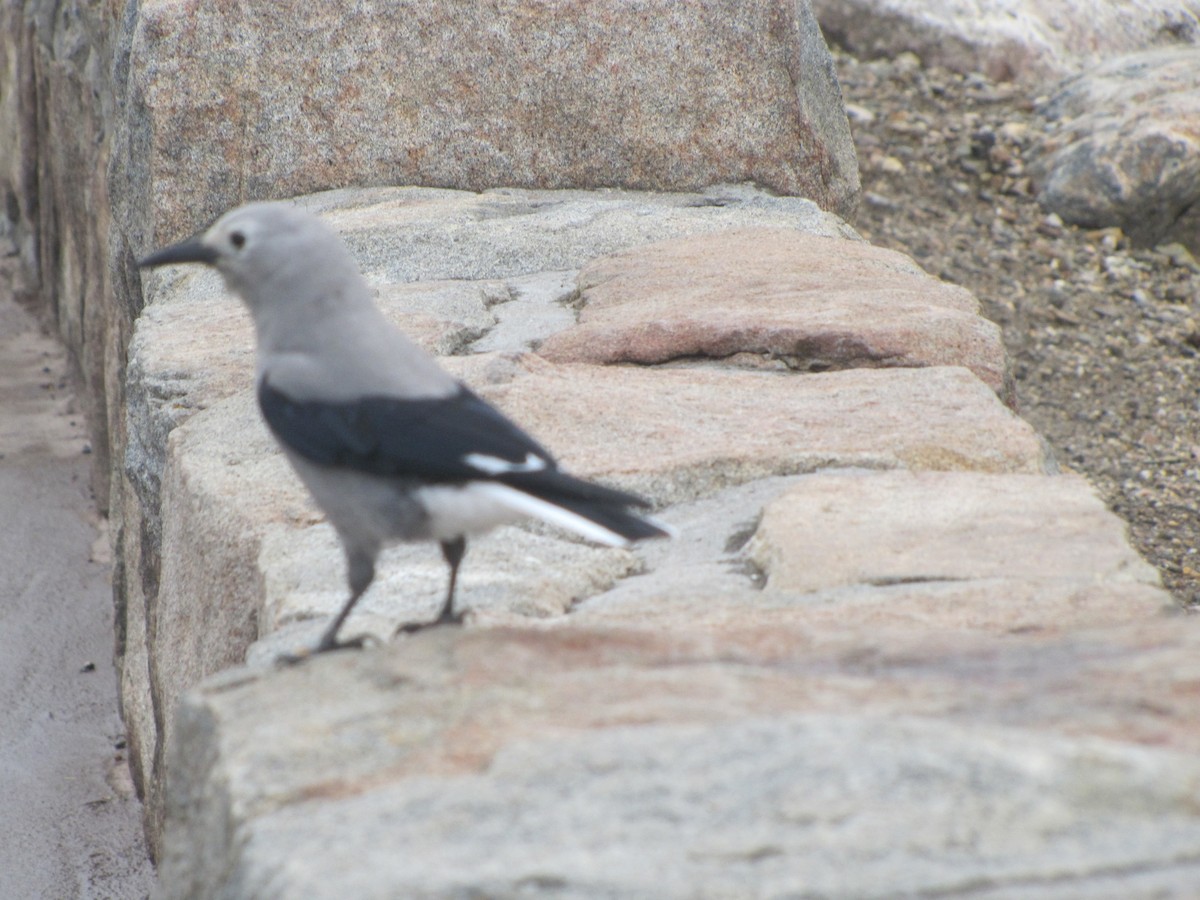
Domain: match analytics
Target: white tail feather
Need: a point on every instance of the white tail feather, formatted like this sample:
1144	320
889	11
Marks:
520	502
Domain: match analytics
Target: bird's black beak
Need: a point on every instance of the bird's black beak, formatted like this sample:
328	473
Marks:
189	251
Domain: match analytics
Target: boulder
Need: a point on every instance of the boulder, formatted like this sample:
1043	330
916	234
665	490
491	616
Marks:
777	760
281	100
941	527
1033	41
243	555
895	552
1123	145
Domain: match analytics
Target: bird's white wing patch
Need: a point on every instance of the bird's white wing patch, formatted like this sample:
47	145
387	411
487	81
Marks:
494	465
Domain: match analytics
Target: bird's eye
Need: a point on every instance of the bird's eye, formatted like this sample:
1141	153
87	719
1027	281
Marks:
237	239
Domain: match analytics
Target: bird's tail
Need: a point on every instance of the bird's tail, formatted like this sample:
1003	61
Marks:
590	510
625	526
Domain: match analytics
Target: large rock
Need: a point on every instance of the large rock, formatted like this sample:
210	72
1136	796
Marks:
243	555
940	620
290	98
236	525
1027	40
1123	146
693	431
778	760
496	269
690	755
916	527
777	297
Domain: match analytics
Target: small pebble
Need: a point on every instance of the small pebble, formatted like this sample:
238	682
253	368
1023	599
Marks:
1052	225
859	114
1108	238
1179	255
1017	132
878	200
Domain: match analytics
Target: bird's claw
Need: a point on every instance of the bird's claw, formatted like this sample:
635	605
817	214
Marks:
414	627
326	646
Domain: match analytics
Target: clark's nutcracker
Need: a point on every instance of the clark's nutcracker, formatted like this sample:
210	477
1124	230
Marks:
390	445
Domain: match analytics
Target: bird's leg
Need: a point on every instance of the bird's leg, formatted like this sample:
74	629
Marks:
453	551
360	568
329	640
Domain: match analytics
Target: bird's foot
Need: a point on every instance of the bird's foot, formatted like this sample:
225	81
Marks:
325	645
446	618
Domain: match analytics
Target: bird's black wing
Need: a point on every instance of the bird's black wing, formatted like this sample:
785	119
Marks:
453	439
432	439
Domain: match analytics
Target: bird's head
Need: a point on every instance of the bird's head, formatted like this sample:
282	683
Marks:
259	245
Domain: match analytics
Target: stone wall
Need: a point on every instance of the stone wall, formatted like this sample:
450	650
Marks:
860	465
59	109
888	620
127	125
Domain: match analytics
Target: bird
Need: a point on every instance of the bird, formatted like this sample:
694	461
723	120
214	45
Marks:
391	447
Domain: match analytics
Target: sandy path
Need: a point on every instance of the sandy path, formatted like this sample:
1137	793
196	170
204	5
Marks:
69	823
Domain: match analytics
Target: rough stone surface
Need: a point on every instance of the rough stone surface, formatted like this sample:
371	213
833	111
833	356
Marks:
57	113
778	297
1124	144
1028	40
507	257
1035	605
861	550
911	527
655	96
238	530
712	427
217	512
1038	732
598	763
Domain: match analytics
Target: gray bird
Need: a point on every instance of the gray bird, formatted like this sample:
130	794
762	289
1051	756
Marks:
390	445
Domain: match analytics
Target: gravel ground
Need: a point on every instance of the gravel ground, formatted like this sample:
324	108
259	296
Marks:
1103	337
